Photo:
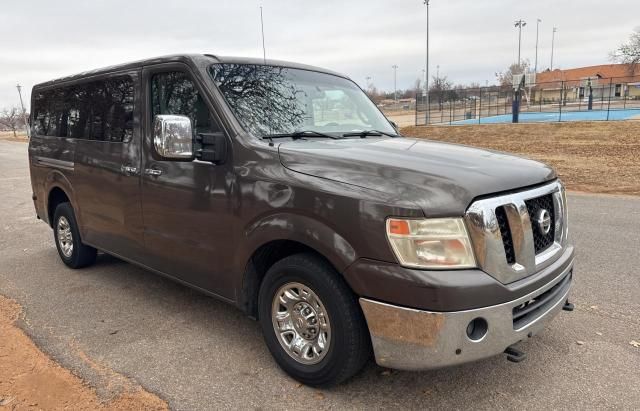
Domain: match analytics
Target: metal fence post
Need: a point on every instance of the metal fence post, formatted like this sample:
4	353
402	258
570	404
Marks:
416	109
480	105
609	104
540	99
560	105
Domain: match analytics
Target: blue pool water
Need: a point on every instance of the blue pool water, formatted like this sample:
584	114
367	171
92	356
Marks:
594	115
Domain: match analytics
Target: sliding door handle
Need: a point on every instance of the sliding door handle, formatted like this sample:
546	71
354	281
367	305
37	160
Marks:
129	170
153	172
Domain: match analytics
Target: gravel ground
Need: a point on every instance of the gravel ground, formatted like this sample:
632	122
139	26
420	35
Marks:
114	320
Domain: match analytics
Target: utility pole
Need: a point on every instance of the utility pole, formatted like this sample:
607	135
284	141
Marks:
395	88
24	112
426	67
553	43
535	70
520	24
438	72
368	80
264	50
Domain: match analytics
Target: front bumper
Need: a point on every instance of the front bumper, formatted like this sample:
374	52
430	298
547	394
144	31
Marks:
411	339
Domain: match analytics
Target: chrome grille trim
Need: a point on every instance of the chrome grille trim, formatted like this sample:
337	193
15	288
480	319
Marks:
487	242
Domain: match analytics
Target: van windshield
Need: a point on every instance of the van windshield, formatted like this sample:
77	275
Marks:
271	100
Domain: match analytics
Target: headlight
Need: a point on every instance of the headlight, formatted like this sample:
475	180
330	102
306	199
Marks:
431	243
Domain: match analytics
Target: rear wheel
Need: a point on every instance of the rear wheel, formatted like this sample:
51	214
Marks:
311	321
67	237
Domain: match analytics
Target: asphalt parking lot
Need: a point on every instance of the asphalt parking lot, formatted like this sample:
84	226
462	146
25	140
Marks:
198	353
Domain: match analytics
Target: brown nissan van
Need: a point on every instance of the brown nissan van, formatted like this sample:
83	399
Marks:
282	189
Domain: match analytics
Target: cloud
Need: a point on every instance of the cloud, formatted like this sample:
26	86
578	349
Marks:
470	39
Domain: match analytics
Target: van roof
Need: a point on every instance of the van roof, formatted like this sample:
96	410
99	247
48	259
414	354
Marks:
197	59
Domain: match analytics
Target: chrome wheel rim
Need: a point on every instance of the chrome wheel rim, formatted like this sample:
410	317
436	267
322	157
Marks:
301	323
65	238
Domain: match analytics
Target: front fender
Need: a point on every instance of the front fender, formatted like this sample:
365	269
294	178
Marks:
300	228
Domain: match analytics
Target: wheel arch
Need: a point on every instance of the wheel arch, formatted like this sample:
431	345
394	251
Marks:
56	196
57	188
279	236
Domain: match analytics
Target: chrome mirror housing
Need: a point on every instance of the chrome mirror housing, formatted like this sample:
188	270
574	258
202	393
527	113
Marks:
173	137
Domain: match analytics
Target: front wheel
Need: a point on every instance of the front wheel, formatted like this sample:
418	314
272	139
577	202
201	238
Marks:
311	321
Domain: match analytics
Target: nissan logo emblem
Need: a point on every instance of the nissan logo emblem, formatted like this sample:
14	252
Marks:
544	221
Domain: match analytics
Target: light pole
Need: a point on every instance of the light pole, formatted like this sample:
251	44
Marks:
426	67
24	112
535	70
553	43
520	24
395	75
368	80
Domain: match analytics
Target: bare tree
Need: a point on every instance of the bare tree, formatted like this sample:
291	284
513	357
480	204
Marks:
373	93
10	118
505	78
440	89
417	86
629	53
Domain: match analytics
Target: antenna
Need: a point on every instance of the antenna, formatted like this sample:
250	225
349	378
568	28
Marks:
264	50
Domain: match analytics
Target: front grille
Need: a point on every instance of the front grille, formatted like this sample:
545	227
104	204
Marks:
505	232
541	240
528	312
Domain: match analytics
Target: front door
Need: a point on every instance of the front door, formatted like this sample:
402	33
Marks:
185	205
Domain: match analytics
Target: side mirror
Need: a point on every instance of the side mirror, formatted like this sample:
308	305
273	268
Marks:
173	137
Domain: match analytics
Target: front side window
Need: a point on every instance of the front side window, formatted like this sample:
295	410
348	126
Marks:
174	92
273	100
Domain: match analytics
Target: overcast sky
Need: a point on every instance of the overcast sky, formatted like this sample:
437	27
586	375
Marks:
470	39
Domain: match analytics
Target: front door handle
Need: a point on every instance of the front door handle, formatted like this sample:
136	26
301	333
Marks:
129	170
153	172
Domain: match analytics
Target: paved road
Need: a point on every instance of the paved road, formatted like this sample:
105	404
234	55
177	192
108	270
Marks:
198	353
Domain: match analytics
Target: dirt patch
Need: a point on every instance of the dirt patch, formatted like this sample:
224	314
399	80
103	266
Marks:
595	157
31	380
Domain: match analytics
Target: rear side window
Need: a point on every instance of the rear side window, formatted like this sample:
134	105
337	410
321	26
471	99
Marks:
98	110
173	92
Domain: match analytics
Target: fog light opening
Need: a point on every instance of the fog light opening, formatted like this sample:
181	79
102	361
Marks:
477	329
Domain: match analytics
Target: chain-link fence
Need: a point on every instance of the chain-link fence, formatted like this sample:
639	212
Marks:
590	99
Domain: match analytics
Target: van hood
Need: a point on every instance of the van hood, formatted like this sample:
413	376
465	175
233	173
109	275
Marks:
440	178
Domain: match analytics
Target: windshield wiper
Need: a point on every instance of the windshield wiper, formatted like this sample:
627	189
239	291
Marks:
365	133
299	134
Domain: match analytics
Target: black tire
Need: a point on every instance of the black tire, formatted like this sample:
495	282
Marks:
350	343
80	255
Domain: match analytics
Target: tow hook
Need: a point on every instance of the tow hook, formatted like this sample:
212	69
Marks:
514	354
568	306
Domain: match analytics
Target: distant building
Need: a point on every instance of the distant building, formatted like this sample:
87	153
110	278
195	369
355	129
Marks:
617	81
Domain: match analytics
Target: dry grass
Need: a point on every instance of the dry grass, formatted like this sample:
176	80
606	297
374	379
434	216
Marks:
8	135
597	157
